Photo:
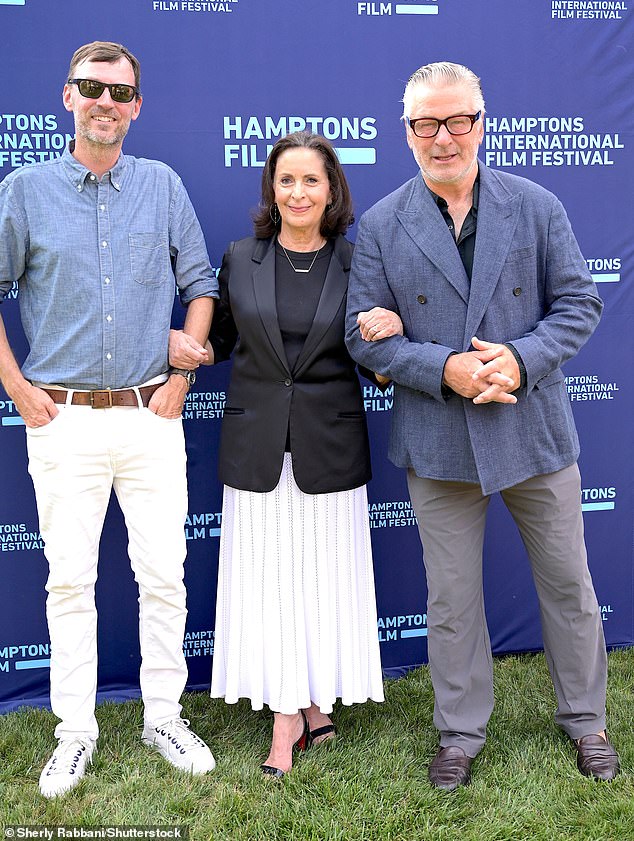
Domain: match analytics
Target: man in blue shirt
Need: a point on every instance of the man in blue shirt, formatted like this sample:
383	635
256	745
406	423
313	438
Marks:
97	241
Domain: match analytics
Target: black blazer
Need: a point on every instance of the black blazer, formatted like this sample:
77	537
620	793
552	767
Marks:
320	398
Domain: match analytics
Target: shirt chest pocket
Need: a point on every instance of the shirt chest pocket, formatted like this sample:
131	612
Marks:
149	258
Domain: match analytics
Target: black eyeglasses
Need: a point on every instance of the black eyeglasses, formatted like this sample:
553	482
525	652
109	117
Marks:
92	89
429	126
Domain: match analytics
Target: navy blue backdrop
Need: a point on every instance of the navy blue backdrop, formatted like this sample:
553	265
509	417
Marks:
222	80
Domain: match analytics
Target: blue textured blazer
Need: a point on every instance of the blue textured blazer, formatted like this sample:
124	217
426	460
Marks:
530	286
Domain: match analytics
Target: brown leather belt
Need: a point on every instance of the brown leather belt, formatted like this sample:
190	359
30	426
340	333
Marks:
106	398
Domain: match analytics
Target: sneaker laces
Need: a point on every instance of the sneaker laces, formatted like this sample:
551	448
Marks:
187	738
66	756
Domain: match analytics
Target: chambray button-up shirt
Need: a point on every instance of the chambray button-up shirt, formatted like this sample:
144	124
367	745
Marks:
97	265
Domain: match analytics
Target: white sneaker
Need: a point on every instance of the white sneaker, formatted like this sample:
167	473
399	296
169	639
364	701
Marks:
66	766
180	746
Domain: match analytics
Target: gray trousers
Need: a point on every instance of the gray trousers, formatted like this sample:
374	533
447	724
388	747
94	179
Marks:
547	510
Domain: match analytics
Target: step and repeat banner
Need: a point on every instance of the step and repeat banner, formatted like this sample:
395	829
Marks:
222	80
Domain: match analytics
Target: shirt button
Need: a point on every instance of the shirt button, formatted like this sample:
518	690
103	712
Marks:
79	188
288	382
421	299
517	291
104	244
92	177
107	280
102	207
108	318
108	356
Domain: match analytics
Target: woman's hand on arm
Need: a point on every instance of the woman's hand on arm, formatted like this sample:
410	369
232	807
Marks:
379	323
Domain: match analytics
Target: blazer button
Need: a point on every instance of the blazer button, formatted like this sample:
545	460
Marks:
421	299
517	291
288	382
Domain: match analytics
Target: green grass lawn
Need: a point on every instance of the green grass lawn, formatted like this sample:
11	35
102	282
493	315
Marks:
370	783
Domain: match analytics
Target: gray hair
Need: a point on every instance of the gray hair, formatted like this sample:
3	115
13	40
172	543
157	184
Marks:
442	73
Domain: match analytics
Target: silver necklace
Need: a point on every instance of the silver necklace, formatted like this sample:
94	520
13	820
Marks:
294	268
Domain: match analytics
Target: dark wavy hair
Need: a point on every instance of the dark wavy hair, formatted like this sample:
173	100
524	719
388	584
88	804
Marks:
338	215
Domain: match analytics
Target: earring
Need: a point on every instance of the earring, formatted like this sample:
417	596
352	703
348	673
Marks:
274	214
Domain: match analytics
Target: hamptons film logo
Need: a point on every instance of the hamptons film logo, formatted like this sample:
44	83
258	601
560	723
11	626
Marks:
583	388
9	415
19	657
375	400
249	139
204	405
195	6
596	10
379	9
598	499
203	525
198	643
391	514
549	141
19	537
402	627
30	139
605	269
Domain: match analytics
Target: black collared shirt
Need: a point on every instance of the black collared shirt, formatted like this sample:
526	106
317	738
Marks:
467	236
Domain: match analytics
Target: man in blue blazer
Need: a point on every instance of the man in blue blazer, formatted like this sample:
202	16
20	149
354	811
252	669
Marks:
494	295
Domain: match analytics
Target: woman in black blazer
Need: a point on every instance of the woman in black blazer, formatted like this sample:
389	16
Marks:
296	615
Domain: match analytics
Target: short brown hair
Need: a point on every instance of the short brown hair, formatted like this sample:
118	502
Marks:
338	215
106	51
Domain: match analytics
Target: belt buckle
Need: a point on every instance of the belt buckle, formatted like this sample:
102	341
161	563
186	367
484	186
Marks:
103	402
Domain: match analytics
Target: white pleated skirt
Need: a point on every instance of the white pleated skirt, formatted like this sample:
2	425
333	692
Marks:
296	611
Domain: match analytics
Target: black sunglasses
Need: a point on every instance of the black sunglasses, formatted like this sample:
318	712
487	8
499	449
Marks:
92	89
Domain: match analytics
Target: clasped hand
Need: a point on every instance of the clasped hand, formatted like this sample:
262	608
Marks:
185	351
487	374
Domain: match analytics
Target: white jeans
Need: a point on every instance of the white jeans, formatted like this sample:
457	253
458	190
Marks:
74	462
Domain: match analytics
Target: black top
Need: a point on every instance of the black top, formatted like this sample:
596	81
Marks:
297	295
467	236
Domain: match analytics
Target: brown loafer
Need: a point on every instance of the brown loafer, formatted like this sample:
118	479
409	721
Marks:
597	758
450	769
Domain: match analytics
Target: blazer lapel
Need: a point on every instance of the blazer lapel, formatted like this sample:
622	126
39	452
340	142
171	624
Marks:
332	294
264	291
497	219
423	222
